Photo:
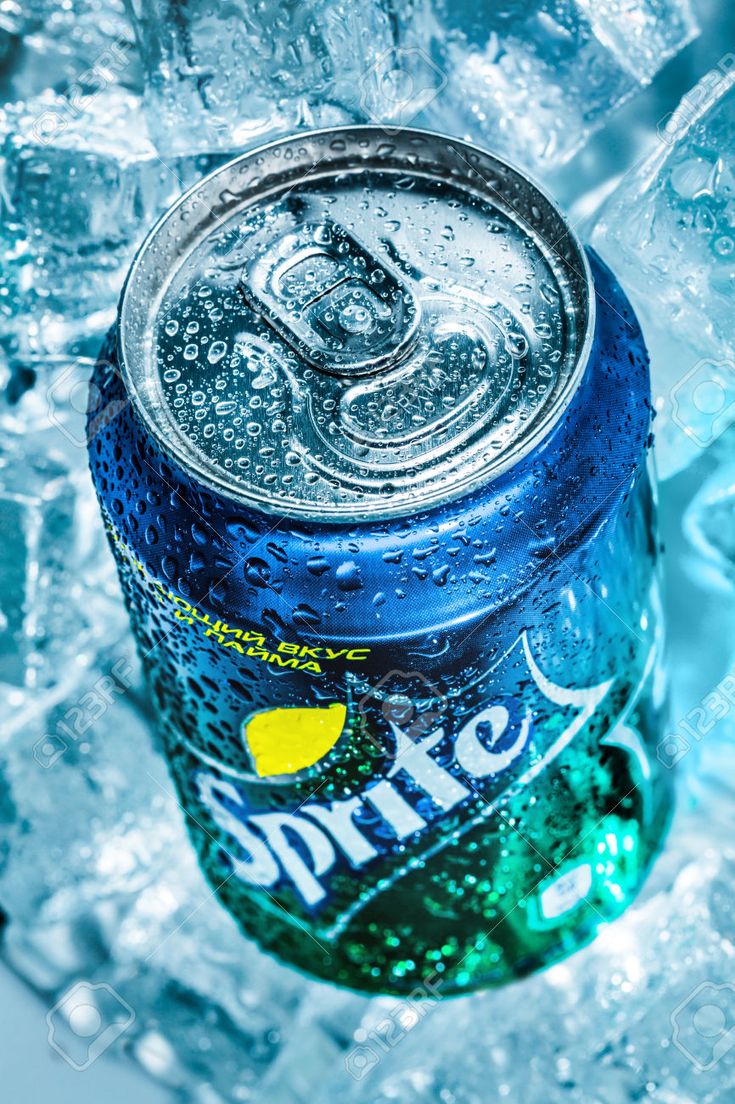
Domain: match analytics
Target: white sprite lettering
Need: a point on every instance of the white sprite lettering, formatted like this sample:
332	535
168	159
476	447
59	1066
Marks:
317	843
395	810
413	758
300	846
337	819
474	758
260	868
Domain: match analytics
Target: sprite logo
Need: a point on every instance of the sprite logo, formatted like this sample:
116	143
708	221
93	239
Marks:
400	818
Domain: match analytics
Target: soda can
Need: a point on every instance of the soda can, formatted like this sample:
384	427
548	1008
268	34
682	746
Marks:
376	479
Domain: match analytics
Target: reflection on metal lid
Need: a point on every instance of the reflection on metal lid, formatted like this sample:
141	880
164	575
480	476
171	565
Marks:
340	326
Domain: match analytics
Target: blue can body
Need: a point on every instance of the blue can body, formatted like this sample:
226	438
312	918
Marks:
489	655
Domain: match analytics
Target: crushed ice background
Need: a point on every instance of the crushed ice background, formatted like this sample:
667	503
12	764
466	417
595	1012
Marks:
108	115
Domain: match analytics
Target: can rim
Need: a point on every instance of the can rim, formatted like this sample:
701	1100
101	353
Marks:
218	482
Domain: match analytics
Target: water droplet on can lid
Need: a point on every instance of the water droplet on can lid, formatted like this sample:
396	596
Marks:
370	340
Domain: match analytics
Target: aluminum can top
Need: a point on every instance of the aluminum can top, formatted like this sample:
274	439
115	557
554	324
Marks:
346	325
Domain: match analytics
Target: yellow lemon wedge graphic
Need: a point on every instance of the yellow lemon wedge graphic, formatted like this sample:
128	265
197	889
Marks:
284	741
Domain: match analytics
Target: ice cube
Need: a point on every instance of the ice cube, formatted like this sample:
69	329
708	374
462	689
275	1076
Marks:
102	886
76	845
223	77
610	1024
73	17
32	519
75	190
59	600
668	231
709	524
533	80
71	46
80	184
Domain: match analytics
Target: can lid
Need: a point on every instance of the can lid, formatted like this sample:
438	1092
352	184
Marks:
344	326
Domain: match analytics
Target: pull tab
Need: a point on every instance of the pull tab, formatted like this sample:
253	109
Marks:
342	310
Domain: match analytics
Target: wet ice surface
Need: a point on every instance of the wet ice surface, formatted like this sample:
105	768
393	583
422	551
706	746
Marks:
54	554
74	49
532	80
669	233
80	184
74	203
233	75
96	874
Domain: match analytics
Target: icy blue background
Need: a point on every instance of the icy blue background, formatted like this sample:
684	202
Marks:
32	1072
29	1070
